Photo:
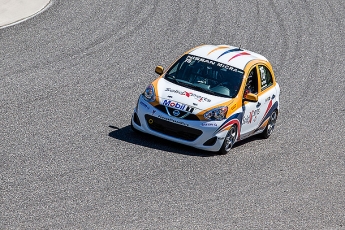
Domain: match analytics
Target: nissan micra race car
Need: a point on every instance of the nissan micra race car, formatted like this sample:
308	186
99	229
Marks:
210	98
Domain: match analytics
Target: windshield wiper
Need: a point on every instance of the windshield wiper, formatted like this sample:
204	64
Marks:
172	78
202	89
191	86
176	81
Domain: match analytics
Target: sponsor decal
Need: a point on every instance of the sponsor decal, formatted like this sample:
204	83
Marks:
153	112
190	58
173	120
188	94
208	124
228	67
251	117
270	108
263	76
177	105
267	99
144	105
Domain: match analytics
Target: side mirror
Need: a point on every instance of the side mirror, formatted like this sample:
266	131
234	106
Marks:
251	97
159	70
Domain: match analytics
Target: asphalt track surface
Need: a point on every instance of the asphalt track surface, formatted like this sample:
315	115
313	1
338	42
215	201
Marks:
70	77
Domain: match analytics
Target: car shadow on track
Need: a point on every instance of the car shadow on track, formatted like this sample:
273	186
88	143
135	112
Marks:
150	141
147	140
247	140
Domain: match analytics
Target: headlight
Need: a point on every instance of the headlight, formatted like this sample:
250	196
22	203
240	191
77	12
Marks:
149	93
216	114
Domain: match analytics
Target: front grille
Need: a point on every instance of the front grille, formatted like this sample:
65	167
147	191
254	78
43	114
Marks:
183	114
172	129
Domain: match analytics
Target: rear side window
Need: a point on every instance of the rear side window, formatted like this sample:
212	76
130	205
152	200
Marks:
265	77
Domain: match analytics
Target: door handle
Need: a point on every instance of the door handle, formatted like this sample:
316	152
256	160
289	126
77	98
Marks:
273	96
258	104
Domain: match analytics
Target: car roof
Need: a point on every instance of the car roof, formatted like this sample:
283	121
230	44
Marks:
229	55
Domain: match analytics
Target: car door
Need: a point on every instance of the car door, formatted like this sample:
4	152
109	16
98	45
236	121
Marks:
252	111
260	83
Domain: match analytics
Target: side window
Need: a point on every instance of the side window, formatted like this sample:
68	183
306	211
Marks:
252	82
265	77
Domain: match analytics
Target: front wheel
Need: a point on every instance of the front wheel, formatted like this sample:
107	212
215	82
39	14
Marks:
270	126
229	140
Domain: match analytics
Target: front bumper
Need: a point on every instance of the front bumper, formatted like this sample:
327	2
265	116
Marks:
198	134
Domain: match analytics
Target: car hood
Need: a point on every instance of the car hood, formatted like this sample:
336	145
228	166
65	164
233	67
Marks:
179	97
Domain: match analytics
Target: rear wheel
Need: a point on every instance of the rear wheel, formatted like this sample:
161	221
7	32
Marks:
229	140
270	126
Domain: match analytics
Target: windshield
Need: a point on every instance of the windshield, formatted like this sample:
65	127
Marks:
206	75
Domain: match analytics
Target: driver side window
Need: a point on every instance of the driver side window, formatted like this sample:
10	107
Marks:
252	82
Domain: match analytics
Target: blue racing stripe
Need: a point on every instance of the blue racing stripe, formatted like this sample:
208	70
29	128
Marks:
229	51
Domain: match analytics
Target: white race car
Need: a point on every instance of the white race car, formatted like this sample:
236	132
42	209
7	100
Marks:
210	98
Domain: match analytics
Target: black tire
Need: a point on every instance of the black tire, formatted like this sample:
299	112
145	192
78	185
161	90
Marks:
270	125
229	140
